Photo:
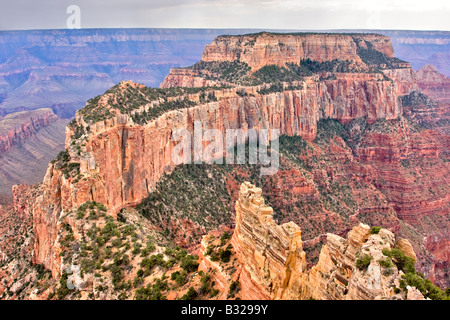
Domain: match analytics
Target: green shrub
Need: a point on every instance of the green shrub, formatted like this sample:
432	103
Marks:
191	294
206	285
189	263
375	230
234	287
155	260
224	238
425	286
386	263
403	262
225	255
179	277
151	292
121	217
363	264
213	293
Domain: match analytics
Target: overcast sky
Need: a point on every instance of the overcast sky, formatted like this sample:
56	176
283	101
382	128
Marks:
265	14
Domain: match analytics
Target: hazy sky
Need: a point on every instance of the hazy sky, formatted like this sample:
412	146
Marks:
270	14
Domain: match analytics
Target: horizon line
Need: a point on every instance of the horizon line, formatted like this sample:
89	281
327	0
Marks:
232	28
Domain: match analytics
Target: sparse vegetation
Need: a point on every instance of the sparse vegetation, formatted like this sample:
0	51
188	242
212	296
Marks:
375	230
191	294
373	57
189	192
62	162
127	99
363	263
234	288
413	278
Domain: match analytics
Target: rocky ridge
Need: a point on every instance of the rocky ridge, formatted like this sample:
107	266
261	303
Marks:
274	266
263	49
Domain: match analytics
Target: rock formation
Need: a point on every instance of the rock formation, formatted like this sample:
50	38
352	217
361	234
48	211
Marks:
274	267
434	84
116	150
271	255
267	48
17	127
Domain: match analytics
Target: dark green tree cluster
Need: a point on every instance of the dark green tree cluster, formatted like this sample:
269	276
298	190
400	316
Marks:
413	278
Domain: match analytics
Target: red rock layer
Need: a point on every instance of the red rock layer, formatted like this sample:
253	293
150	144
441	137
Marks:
408	165
266	49
434	84
17	127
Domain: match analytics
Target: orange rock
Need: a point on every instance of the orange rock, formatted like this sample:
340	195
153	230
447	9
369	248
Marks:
266	48
274	265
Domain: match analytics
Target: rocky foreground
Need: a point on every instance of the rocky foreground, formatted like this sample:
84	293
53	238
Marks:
274	264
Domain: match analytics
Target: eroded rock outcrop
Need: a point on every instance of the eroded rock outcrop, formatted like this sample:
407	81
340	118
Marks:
434	84
272	255
120	162
273	264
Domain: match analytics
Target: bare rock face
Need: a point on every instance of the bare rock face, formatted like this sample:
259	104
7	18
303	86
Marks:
186	78
434	84
120	160
266	49
405	246
404	79
271	254
273	264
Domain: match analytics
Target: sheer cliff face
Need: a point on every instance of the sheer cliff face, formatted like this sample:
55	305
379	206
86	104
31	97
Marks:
273	262
267	49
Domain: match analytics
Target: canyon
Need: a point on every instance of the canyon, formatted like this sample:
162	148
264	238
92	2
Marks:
61	69
354	159
28	141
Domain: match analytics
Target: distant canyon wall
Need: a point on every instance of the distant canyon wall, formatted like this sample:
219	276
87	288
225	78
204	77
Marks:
279	49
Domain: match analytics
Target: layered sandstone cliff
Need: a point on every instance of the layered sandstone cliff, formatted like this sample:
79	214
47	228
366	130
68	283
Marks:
274	267
120	161
272	256
28	141
434	84
266	48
